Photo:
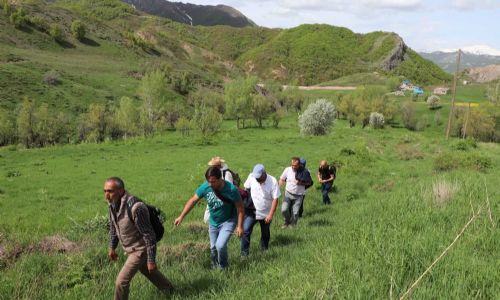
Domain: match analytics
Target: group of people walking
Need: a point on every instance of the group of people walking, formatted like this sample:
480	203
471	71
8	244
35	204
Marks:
230	209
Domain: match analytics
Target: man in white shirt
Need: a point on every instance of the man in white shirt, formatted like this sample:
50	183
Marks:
264	193
294	193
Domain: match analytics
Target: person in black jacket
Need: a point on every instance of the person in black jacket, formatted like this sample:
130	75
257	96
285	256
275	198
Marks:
326	176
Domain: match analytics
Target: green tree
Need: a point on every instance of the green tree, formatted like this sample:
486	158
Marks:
78	30
96	123
207	120
26	122
7	129
127	117
43	125
153	91
261	108
238	98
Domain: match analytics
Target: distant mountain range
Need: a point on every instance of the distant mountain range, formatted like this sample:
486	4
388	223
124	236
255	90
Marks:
447	60
206	15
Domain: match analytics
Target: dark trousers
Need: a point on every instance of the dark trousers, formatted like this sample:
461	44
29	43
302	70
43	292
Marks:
325	188
265	235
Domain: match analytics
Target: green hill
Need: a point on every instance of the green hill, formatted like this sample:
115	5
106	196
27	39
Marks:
122	44
318	53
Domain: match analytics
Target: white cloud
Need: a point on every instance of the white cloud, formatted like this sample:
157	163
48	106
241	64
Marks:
351	6
475	4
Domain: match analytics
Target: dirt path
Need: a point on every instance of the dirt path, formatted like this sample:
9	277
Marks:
323	88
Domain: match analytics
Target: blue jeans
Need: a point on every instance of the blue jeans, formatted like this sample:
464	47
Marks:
325	188
219	237
265	235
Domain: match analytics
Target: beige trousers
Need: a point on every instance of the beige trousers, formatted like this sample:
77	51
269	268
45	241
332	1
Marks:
137	261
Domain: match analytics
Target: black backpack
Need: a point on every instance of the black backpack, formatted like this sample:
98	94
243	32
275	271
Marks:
155	217
303	174
236	176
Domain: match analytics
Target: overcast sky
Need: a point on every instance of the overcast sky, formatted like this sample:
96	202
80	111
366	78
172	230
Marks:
425	25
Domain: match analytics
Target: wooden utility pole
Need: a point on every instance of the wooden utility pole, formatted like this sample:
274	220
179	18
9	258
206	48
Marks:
453	96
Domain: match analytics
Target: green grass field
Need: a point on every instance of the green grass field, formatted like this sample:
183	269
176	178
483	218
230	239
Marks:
384	228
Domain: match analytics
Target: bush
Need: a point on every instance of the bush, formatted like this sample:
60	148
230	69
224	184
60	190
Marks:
7	8
433	102
207	120
39	23
317	118
78	30
408	112
18	19
184	126
447	162
56	32
51	78
464	145
377	120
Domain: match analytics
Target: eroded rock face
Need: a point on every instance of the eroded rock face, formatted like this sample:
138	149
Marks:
485	74
397	55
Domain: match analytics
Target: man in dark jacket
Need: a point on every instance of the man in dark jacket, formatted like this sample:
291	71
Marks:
137	237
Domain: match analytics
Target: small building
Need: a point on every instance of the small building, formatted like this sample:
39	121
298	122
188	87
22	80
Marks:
417	91
406	85
441	90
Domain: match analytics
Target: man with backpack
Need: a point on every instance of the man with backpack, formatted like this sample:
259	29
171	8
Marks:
295	190
130	224
226	213
326	176
260	206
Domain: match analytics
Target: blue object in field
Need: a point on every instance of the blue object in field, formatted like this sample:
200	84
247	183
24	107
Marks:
417	91
407	82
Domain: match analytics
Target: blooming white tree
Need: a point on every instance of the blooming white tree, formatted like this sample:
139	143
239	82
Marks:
377	120
318	118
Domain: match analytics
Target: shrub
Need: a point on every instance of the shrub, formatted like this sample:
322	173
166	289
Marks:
56	32
78	30
7	8
39	23
447	162
464	145
408	112
184	126
317	118
207	120
51	78
433	102
377	120
18	18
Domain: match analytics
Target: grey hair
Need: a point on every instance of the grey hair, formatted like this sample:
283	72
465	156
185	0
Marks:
118	181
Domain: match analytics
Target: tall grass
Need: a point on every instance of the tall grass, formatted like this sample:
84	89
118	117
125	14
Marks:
380	234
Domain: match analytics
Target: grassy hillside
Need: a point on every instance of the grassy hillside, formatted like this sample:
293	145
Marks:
385	227
122	44
317	53
119	47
